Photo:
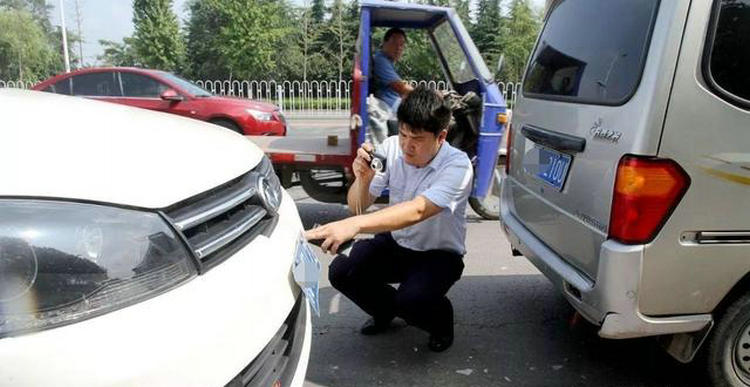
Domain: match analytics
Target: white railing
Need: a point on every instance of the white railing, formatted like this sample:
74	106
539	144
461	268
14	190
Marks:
510	91
17	84
315	98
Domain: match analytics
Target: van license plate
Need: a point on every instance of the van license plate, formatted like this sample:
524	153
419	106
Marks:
553	167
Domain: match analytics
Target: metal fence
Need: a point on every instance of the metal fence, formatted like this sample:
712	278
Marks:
300	98
17	84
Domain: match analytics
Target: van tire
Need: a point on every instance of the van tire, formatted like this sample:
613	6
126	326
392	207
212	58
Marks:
228	124
729	346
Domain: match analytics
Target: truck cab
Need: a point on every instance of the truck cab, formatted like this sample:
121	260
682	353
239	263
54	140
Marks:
324	167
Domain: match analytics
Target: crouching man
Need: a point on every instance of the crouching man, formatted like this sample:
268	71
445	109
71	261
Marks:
419	241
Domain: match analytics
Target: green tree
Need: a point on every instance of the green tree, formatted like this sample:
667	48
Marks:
519	32
462	8
25	52
56	41
318	11
338	38
39	10
157	40
118	54
203	57
237	38
487	29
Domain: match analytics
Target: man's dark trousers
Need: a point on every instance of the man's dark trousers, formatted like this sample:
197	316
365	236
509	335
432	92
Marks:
424	277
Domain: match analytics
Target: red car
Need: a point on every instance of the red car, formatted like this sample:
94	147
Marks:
166	92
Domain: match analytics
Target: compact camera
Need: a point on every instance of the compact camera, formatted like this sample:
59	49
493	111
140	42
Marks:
377	162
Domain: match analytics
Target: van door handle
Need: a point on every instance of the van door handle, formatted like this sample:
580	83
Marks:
555	140
722	237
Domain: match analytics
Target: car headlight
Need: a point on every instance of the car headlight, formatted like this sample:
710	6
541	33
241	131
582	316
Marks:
62	262
269	186
259	115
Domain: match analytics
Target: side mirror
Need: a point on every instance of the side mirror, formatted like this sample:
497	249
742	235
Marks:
171	95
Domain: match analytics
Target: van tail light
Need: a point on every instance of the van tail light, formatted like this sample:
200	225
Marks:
509	133
647	190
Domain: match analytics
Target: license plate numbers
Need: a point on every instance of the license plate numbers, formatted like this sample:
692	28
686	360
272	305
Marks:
553	167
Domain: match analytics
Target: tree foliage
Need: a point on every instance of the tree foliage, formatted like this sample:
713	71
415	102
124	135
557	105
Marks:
338	38
118	54
157	41
239	37
516	40
261	39
487	29
318	11
25	50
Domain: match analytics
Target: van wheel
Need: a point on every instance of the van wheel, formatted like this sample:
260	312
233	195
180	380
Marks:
489	207
229	125
729	346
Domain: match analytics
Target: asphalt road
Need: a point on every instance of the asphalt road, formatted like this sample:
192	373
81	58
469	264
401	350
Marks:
512	329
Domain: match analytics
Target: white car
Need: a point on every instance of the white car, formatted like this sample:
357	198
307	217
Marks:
142	249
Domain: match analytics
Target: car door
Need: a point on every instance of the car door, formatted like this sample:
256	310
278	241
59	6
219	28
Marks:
143	91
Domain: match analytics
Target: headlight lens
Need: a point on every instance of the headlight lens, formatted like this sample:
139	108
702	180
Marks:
259	115
63	262
270	185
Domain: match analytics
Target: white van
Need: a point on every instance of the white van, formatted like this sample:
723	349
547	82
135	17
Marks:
628	177
142	249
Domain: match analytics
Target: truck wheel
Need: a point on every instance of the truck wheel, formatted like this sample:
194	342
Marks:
729	346
229	125
489	207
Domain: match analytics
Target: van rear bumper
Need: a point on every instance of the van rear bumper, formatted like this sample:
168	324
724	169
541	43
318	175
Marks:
611	299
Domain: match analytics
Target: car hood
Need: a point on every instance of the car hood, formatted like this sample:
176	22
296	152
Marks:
54	146
247	103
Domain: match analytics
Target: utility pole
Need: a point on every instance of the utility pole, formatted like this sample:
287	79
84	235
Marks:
79	21
64	37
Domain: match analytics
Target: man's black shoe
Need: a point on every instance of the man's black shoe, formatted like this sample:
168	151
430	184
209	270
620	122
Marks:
439	343
373	327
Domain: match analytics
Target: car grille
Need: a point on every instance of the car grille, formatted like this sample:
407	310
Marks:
218	223
276	364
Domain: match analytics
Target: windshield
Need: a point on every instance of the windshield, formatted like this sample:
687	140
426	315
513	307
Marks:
186	85
458	65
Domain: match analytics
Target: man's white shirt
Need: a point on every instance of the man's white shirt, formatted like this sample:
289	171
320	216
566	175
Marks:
445	181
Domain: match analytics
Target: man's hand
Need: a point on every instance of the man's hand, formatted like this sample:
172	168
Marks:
361	164
334	234
403	88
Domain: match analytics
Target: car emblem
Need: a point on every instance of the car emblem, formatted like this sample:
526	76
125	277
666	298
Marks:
599	133
269	197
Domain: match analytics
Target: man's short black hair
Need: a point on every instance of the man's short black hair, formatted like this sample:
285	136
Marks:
392	31
424	109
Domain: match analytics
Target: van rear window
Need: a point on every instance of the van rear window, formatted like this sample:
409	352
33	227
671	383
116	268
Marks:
591	51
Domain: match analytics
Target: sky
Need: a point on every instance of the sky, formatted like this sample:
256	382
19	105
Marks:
113	20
